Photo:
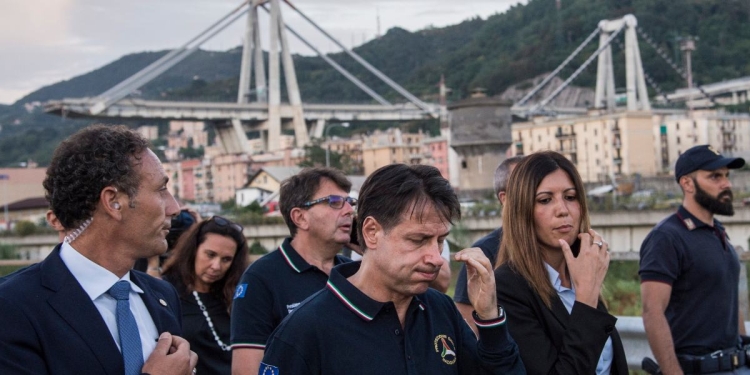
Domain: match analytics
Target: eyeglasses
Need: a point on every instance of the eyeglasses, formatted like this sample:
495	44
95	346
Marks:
334	201
222	222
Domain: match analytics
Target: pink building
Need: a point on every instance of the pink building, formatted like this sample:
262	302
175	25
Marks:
436	154
187	179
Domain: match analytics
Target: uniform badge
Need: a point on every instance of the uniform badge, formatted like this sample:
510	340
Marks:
240	291
689	223
446	348
266	369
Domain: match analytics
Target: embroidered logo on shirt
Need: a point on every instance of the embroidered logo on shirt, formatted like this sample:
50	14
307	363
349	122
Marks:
240	291
266	369
446	348
290	307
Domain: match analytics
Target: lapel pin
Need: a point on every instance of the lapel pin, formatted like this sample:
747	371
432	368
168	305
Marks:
163	302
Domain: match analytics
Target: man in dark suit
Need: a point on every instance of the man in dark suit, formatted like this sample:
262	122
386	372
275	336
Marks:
82	309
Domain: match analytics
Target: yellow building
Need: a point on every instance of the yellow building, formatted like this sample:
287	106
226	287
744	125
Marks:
676	132
625	143
389	147
600	145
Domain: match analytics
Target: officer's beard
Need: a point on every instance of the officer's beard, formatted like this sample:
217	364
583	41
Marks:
718	205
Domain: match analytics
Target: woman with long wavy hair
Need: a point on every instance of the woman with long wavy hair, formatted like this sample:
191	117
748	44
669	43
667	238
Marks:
551	267
205	267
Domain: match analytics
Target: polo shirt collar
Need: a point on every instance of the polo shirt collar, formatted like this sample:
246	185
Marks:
691	222
296	261
359	303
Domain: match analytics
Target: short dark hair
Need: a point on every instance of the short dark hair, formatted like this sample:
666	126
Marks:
299	189
395	189
180	266
85	163
502	175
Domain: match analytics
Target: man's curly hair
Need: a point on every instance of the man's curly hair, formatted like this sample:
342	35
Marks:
88	161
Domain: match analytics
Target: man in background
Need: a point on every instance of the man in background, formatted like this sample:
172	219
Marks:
490	244
690	274
317	208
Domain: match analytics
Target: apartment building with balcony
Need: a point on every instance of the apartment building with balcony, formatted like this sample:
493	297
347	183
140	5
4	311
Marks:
601	145
391	146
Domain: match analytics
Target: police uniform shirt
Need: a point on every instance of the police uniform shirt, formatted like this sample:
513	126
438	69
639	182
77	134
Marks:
702	267
271	288
340	330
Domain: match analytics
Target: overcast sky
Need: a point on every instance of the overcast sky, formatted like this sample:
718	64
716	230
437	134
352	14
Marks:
45	41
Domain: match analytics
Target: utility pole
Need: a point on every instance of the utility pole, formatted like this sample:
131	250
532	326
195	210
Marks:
5	178
328	141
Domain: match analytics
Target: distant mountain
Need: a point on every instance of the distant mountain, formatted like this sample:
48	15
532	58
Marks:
522	43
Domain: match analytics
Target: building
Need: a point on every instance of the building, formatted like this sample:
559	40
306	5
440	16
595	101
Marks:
606	145
265	183
149	132
17	184
674	133
228	173
601	145
187	181
435	151
389	147
480	133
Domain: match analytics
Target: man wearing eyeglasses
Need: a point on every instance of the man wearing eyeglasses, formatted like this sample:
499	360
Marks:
317	208
382	311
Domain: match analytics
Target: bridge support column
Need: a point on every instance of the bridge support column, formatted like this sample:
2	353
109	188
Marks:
292	88
318	128
274	82
605	76
232	137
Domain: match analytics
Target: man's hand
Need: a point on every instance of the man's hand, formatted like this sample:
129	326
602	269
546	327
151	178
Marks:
172	355
480	282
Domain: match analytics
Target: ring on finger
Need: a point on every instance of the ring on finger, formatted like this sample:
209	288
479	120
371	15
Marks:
600	244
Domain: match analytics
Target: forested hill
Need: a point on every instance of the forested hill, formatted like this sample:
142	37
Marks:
521	43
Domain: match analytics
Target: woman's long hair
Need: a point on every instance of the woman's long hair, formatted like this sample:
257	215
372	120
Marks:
180	267
520	246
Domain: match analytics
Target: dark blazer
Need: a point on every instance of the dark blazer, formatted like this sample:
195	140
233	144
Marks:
552	341
51	326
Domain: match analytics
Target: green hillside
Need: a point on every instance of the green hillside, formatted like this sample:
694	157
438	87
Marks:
521	43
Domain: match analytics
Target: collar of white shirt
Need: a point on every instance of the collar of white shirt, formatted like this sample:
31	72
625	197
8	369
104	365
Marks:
94	279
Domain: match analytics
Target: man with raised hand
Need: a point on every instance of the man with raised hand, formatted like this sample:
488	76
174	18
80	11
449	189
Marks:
381	312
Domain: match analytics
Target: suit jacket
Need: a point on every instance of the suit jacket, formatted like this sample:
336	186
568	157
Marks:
551	341
51	326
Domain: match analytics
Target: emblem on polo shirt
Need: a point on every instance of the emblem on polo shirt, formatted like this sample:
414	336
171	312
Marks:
290	307
266	369
240	291
446	348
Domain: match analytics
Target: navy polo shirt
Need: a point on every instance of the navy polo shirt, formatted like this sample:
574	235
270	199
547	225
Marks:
702	267
340	330
271	288
490	245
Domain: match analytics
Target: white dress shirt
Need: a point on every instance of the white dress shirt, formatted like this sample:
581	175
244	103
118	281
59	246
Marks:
96	281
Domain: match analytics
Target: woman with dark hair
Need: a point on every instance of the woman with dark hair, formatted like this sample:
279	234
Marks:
550	271
205	267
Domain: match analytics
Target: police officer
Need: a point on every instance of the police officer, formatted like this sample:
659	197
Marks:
381	312
317	209
690	273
